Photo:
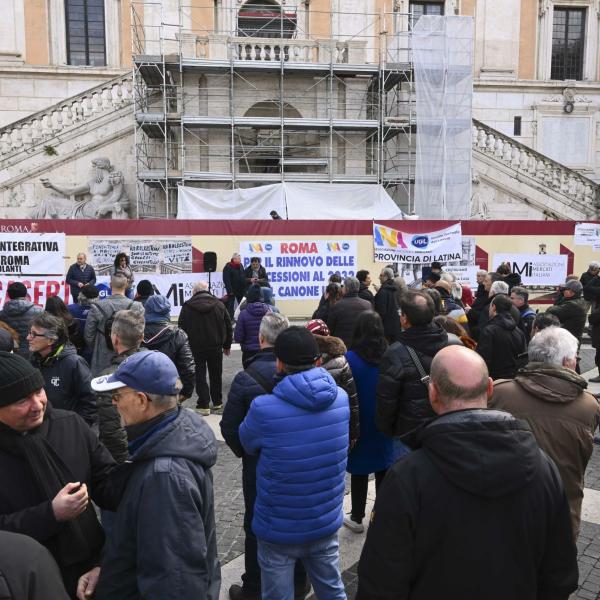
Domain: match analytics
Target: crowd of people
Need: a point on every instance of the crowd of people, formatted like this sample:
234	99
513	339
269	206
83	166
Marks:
466	406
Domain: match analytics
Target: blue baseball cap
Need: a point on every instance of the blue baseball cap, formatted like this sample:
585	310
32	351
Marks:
148	371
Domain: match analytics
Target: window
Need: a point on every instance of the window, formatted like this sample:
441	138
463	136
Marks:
85	32
265	20
568	36
418	9
517	126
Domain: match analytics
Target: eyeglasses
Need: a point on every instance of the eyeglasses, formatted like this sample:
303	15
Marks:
34	334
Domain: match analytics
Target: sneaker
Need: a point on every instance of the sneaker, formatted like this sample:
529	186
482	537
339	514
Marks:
217	409
203	412
594	379
353	525
237	592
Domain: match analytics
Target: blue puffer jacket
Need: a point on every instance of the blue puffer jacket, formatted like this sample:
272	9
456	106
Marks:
301	432
248	324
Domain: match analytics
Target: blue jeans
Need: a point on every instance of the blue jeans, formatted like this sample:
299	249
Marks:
320	559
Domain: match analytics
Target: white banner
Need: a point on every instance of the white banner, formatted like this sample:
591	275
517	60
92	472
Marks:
30	254
179	287
465	275
391	245
535	269
300	269
587	234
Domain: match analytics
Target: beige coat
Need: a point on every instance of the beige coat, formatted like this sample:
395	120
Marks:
562	416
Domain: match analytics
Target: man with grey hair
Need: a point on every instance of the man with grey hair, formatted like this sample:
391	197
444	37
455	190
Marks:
78	275
208	326
572	311
478	481
387	305
163	544
552	398
342	315
234	281
258	378
98	324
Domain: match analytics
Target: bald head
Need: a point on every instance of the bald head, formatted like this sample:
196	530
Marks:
459	379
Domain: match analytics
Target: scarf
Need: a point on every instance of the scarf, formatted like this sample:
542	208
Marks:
79	539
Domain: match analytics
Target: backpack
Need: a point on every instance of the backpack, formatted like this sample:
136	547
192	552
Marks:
108	323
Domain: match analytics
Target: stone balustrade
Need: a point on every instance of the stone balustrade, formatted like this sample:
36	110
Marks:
538	167
224	47
41	127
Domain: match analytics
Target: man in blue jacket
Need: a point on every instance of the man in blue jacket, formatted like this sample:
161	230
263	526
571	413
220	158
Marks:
300	432
163	543
80	274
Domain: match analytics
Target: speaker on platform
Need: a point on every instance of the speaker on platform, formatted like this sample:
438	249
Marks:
210	262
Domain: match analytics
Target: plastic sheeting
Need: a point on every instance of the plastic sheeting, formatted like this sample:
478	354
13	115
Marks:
311	201
443	67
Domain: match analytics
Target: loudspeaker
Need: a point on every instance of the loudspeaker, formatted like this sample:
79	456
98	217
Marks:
210	262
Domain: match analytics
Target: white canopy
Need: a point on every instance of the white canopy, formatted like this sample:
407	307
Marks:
311	201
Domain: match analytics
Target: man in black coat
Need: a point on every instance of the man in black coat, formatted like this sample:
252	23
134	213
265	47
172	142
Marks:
364	278
572	312
502	344
386	305
206	321
234	281
402	402
478	506
258	378
256	273
519	296
341	319
52	464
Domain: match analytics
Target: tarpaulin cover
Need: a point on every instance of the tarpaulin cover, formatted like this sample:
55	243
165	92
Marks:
443	67
313	201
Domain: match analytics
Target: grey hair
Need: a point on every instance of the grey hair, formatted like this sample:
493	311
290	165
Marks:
200	286
400	284
165	402
499	287
351	285
389	273
236	255
552	345
449	277
482	272
118	281
82	254
128	326
271	326
594	265
54	327
457	290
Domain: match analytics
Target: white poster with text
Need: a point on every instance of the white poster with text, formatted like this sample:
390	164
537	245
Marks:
535	269
32	254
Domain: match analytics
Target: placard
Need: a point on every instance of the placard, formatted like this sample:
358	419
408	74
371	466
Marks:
391	245
536	269
300	269
587	234
27	254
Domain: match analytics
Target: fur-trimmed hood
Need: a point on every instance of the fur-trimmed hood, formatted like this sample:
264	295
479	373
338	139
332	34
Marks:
330	346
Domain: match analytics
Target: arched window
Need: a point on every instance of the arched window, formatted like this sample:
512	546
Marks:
85	27
265	19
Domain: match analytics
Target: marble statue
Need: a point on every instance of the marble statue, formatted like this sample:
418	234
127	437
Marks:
103	197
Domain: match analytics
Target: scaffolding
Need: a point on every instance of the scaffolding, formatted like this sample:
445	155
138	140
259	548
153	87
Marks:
245	95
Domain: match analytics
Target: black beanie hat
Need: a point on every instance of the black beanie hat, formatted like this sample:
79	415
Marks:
18	378
296	346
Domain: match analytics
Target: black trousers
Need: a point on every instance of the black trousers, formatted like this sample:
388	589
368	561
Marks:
251	578
358	493
230	304
214	362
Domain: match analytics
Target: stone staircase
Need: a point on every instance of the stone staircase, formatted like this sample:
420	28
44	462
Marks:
507	172
80	127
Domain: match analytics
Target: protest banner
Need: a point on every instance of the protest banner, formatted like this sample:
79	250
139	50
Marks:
39	288
299	269
394	246
465	275
177	251
144	253
535	269
32	254
587	234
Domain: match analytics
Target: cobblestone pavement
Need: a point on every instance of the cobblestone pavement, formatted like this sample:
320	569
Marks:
229	504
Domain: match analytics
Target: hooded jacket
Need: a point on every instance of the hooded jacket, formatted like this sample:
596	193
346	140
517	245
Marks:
248	324
402	399
164	543
503	346
67	381
301	433
18	314
100	313
572	314
562	416
207	323
386	305
173	342
477	511
333	352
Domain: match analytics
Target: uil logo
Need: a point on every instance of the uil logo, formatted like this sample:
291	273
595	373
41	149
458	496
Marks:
55	381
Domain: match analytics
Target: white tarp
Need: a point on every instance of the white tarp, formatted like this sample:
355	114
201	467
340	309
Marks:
443	65
313	201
